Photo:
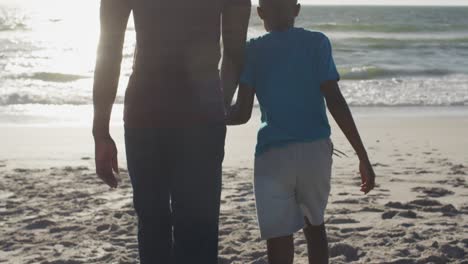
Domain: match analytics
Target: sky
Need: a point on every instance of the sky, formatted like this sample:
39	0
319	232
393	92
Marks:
319	2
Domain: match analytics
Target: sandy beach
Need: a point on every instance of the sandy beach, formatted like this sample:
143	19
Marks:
53	209
404	72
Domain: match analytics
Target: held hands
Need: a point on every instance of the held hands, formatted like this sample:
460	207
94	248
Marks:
367	176
106	161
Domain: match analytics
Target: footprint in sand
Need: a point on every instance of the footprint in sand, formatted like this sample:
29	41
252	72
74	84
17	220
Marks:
68	244
458	170
66	229
429	205
380	165
389	214
372	209
423	171
455	182
347	201
22	170
67	261
424	203
398	205
341	249
433	191
103	227
404	214
356	229
40	224
453	252
341	211
446	210
75	169
433	259
338	221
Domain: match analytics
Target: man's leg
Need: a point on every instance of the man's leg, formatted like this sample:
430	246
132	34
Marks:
281	250
196	193
149	176
317	244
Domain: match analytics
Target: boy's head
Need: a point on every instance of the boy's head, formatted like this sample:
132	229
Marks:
278	15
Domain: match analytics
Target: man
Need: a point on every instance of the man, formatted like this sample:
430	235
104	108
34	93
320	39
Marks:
174	117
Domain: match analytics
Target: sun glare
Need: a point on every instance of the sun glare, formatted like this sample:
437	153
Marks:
65	34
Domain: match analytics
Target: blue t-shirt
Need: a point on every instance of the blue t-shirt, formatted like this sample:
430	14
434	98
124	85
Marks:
286	69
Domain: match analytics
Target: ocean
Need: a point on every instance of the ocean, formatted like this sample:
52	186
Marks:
391	57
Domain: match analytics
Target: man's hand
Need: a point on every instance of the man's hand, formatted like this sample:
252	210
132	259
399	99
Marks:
367	176
114	15
106	161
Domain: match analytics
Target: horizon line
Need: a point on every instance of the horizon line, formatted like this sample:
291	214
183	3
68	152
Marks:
382	5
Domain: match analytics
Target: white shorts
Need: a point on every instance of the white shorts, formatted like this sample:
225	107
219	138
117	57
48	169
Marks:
292	182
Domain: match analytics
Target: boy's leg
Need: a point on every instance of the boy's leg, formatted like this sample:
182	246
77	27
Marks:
196	193
278	213
317	243
279	216
313	190
149	176
281	250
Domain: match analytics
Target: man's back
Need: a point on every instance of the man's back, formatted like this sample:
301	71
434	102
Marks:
176	79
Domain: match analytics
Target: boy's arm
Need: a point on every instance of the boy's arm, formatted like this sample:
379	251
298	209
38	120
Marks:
339	109
114	16
235	21
241	112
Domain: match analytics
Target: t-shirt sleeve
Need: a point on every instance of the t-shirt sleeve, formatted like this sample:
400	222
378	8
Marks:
248	72
327	67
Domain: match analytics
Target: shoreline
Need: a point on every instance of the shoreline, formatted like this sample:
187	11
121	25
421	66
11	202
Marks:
30	115
35	146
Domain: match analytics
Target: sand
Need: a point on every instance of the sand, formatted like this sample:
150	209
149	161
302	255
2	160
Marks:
53	209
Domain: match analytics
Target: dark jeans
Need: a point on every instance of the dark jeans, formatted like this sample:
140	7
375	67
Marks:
176	178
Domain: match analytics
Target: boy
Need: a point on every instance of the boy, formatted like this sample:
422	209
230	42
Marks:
292	71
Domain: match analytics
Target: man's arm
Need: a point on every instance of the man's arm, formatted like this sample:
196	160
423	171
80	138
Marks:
339	109
235	21
241	112
114	16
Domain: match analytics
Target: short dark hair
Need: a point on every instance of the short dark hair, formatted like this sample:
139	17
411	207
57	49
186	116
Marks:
277	2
